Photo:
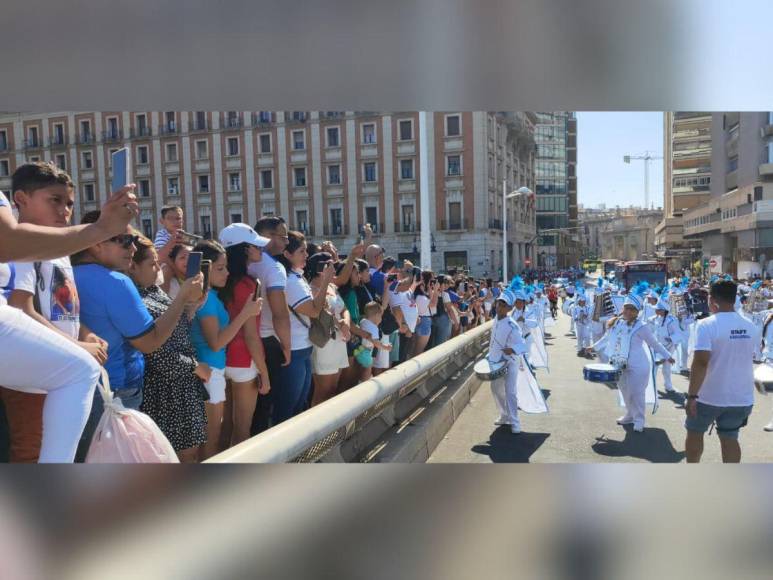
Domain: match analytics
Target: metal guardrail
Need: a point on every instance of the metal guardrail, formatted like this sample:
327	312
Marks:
310	436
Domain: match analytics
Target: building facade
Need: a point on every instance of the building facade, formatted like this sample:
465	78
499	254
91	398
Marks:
556	176
735	225
687	182
620	234
327	173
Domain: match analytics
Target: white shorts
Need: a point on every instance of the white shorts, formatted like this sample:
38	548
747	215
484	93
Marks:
330	359
241	374
216	387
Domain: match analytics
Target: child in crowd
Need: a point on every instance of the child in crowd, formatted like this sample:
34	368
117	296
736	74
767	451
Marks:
369	324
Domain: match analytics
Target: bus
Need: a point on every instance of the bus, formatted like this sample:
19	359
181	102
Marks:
609	266
590	266
629	274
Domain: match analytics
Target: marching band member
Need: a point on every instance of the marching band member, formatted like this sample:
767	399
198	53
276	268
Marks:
648	314
581	314
506	344
668	334
767	351
626	343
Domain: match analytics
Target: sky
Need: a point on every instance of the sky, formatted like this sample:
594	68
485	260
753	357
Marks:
603	138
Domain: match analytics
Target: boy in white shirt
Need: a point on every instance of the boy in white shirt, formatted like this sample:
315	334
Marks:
370	323
722	375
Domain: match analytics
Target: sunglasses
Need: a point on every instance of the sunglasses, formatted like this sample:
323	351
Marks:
125	240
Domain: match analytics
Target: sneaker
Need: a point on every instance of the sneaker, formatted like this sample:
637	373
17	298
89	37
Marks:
638	428
768	427
625	420
515	428
501	421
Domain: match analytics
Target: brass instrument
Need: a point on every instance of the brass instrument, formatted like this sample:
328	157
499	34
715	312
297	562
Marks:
603	305
755	302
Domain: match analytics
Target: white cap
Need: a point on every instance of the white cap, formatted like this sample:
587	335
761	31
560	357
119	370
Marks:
241	234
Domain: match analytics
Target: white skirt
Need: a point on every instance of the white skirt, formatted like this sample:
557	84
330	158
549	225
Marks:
329	359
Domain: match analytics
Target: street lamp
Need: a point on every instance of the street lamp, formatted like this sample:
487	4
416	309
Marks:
521	191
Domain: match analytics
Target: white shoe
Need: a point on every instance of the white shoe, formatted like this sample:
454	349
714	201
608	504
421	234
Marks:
638	428
625	420
515	429
768	427
501	421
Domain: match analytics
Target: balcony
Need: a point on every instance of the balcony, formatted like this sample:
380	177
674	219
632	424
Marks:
306	230
495	224
454	225
169	129
407	228
336	230
297	117
376	227
111	136
766	169
140	132
57	141
202	127
262	119
32	144
233	124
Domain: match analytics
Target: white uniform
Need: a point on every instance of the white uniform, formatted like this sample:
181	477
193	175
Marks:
581	315
635	377
506	334
668	334
685	326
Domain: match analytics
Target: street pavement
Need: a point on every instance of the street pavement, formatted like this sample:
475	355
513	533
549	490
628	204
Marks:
581	428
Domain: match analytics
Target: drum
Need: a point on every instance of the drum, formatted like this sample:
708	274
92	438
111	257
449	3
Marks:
488	371
600	373
763	376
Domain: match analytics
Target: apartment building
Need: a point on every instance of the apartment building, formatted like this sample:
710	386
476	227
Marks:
326	172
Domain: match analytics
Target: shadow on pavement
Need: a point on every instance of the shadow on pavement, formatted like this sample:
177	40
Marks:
545	393
652	445
506	447
677	398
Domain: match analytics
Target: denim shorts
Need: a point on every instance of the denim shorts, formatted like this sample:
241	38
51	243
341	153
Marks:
424	328
728	419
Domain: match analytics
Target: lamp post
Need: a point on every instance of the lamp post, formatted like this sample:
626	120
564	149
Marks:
505	196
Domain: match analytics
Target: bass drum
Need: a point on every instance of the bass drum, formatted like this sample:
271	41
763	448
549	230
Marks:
488	371
763	377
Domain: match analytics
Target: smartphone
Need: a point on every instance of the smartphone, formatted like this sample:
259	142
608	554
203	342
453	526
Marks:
205	267
417	273
257	290
122	171
189	239
194	264
321	266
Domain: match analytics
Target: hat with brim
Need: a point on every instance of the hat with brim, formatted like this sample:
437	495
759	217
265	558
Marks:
632	300
235	234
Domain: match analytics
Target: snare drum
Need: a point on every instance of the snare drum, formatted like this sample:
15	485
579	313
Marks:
601	373
488	371
763	376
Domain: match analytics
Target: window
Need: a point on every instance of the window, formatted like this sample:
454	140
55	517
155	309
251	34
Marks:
452	126
369	171
172	185
266	179
332	137
3	140
142	155
368	133
171	151
406	169
58	134
236	218
235	181
32	134
265	143
203	183
4	168
299	116
334	175
88	191
169	117
61	161
408	223
87	161
264	116
336	221
454	165
144	187
147	228
455	215
371	217
232	119
200	122
406	130
112	128
202	150
110	157
456	260
233	146
85	131
206	226
301	220
300	176
732	164
299	140
142	123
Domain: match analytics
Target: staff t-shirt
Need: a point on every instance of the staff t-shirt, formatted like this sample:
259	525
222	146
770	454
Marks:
111	307
212	307
54	284
732	340
272	278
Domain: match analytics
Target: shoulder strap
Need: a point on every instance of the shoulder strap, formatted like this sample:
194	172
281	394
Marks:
40	286
298	317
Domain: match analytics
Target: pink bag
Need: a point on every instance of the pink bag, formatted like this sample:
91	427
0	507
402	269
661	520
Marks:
125	435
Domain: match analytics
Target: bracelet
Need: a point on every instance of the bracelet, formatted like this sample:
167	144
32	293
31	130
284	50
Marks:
692	396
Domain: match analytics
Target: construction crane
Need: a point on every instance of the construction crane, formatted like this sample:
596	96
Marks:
646	157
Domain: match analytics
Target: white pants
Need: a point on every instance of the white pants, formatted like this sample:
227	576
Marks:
506	396
583	336
35	359
633	386
681	355
666	370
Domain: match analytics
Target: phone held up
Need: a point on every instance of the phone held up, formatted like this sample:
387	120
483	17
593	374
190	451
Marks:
257	290
122	172
194	264
206	265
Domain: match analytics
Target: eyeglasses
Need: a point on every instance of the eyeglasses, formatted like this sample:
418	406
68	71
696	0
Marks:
125	240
